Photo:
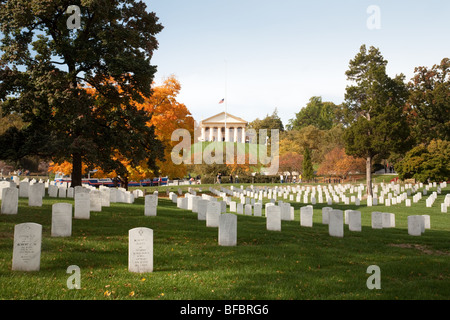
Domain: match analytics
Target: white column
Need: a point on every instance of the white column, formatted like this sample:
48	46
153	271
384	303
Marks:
203	133
211	132
235	134
227	134
243	134
219	134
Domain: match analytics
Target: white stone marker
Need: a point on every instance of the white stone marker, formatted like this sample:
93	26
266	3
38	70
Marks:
52	191
248	209
61	220
388	220
285	211
273	218
105	195
213	212
96	201
306	216
233	207
151	204
35	195
354	220
62	192
10	200
240	208
27	247
325	214
140	250
415	225
227	229
23	189
82	205
70	192
426	221
202	205
257	210
336	223
377	220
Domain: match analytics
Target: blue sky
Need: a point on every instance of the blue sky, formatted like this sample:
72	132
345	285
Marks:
264	55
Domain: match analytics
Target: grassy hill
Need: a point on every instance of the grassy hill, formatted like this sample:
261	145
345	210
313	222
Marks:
297	263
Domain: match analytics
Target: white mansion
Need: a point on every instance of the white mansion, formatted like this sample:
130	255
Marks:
223	127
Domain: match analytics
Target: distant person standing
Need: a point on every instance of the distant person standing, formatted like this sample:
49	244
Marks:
231	178
281	178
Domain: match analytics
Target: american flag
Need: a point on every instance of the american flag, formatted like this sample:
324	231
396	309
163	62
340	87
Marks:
221	101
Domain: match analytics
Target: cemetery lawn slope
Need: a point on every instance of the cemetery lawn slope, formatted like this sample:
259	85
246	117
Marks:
294	264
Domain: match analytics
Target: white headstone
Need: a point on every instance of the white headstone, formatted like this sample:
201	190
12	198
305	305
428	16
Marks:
426	221
82	205
52	191
285	211
415	225
23	189
140	250
273	218
10	201
233	207
306	216
27	247
202	205
35	195
70	192
354	220
248	209
377	220
62	192
336	223
213	211
96	200
151	205
257	210
388	220
61	220
227	229
105	195
325	214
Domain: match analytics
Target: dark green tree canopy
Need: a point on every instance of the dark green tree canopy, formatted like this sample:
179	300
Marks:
45	67
429	102
322	115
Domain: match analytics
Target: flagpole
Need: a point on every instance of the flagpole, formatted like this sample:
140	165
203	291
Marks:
226	98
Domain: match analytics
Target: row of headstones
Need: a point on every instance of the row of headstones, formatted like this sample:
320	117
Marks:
28	236
337	193
214	214
98	197
28	241
371	201
275	214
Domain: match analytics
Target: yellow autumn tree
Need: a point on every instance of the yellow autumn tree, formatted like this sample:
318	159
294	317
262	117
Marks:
168	115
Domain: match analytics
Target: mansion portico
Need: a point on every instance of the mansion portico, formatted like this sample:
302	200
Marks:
227	128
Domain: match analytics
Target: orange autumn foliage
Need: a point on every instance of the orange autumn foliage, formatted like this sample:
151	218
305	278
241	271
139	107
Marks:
338	163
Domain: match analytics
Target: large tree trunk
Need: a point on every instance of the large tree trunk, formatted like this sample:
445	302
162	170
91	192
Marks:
369	175
76	170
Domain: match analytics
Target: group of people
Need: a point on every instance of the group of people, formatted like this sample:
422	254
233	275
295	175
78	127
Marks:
219	178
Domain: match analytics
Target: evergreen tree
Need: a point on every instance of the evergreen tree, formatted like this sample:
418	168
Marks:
308	170
376	103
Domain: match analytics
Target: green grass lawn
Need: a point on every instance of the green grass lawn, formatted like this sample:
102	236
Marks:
297	263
